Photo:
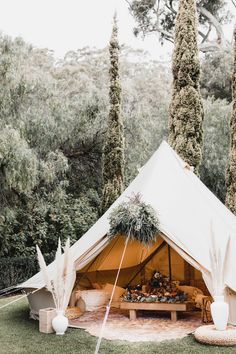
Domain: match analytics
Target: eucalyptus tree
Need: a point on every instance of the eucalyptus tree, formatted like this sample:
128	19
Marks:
215	145
159	16
36	124
216	78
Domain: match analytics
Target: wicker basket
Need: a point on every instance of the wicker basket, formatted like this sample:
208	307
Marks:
73	312
94	299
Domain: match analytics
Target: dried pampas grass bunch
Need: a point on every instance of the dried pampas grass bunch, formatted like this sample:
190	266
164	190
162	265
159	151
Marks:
61	283
218	264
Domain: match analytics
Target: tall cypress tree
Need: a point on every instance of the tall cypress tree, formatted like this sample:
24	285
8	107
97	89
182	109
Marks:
186	109
231	172
113	153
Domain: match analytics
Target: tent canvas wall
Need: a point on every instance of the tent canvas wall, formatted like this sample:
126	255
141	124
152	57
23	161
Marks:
186	209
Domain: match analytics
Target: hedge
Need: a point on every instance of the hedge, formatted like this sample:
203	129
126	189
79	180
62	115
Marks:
15	270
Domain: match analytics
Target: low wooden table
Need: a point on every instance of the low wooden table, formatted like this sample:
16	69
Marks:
133	307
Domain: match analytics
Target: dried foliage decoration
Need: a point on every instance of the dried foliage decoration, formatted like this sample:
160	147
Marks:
135	218
218	265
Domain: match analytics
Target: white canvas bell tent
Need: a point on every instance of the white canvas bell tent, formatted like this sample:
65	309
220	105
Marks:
186	209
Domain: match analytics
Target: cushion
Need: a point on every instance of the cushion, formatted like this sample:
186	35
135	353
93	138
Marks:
97	286
118	291
191	291
199	300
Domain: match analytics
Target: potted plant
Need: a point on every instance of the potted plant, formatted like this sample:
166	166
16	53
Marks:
60	284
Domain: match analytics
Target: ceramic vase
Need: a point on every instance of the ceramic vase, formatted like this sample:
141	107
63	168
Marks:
60	323
220	313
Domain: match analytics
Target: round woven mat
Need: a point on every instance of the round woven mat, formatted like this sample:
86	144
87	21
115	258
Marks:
209	335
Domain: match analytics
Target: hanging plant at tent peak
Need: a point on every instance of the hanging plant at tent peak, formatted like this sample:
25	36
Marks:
135	219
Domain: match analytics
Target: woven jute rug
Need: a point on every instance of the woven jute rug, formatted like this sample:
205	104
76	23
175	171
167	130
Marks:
149	326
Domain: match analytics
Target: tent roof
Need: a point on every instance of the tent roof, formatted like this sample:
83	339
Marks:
185	207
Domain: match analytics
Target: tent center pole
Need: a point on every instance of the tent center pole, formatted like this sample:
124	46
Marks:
169	261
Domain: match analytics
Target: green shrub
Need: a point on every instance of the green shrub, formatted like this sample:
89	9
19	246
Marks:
16	270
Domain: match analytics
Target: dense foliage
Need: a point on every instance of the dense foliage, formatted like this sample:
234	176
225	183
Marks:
38	130
215	145
231	171
216	78
53	117
17	269
53	120
186	111
113	153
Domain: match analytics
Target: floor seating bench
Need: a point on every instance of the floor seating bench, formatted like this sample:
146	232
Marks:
133	307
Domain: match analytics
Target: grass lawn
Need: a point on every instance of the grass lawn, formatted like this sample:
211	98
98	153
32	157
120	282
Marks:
18	334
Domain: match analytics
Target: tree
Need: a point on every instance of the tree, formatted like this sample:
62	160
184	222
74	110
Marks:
216	78
38	121
186	110
52	136
159	16
146	87
231	171
113	154
215	146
